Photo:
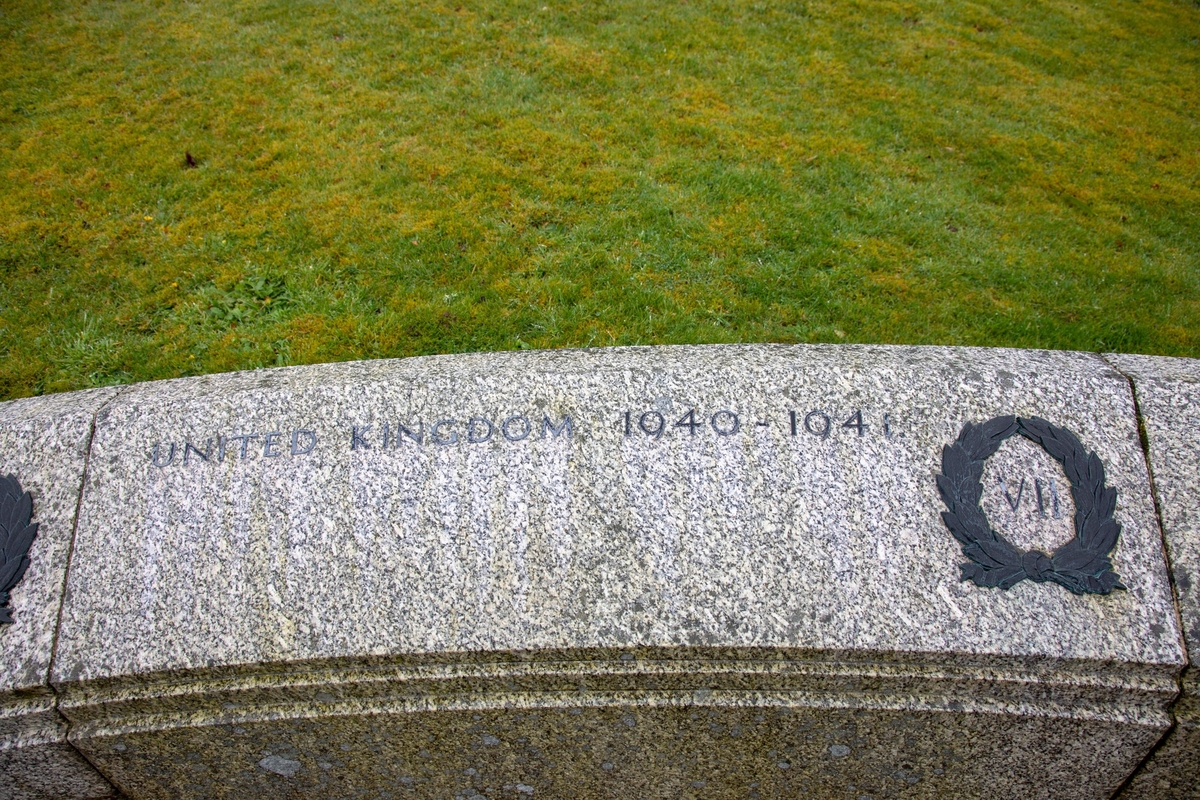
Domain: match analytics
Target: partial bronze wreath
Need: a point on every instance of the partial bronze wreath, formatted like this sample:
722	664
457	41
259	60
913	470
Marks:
16	535
1081	565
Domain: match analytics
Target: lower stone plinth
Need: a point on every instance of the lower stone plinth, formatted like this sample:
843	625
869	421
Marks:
1173	771
680	724
49	772
36	762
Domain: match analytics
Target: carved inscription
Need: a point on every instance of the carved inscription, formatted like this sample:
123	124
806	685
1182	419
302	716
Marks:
724	422
448	431
1026	496
215	449
1042	491
300	442
474	430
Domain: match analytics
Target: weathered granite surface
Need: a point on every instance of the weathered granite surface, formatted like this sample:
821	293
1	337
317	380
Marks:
505	609
44	443
657	746
1168	394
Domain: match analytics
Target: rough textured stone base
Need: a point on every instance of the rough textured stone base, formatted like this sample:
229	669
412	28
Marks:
1171	773
694	749
50	771
666	724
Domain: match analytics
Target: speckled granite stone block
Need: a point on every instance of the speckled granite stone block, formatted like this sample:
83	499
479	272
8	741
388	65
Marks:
336	576
1168	394
43	442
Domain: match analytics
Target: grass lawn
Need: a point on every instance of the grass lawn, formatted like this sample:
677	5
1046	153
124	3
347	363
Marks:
373	179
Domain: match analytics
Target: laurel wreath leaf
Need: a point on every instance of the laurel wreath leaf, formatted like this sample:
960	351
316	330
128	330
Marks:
16	536
1082	564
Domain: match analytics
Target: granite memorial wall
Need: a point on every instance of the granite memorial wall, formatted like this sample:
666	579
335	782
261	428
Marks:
717	571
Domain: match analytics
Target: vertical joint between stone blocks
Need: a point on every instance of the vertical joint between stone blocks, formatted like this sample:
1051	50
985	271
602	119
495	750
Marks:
1144	440
87	461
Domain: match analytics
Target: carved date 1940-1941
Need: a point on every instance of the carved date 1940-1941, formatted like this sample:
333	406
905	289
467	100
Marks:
725	422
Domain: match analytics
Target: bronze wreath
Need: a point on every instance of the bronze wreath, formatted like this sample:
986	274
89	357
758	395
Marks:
1081	565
